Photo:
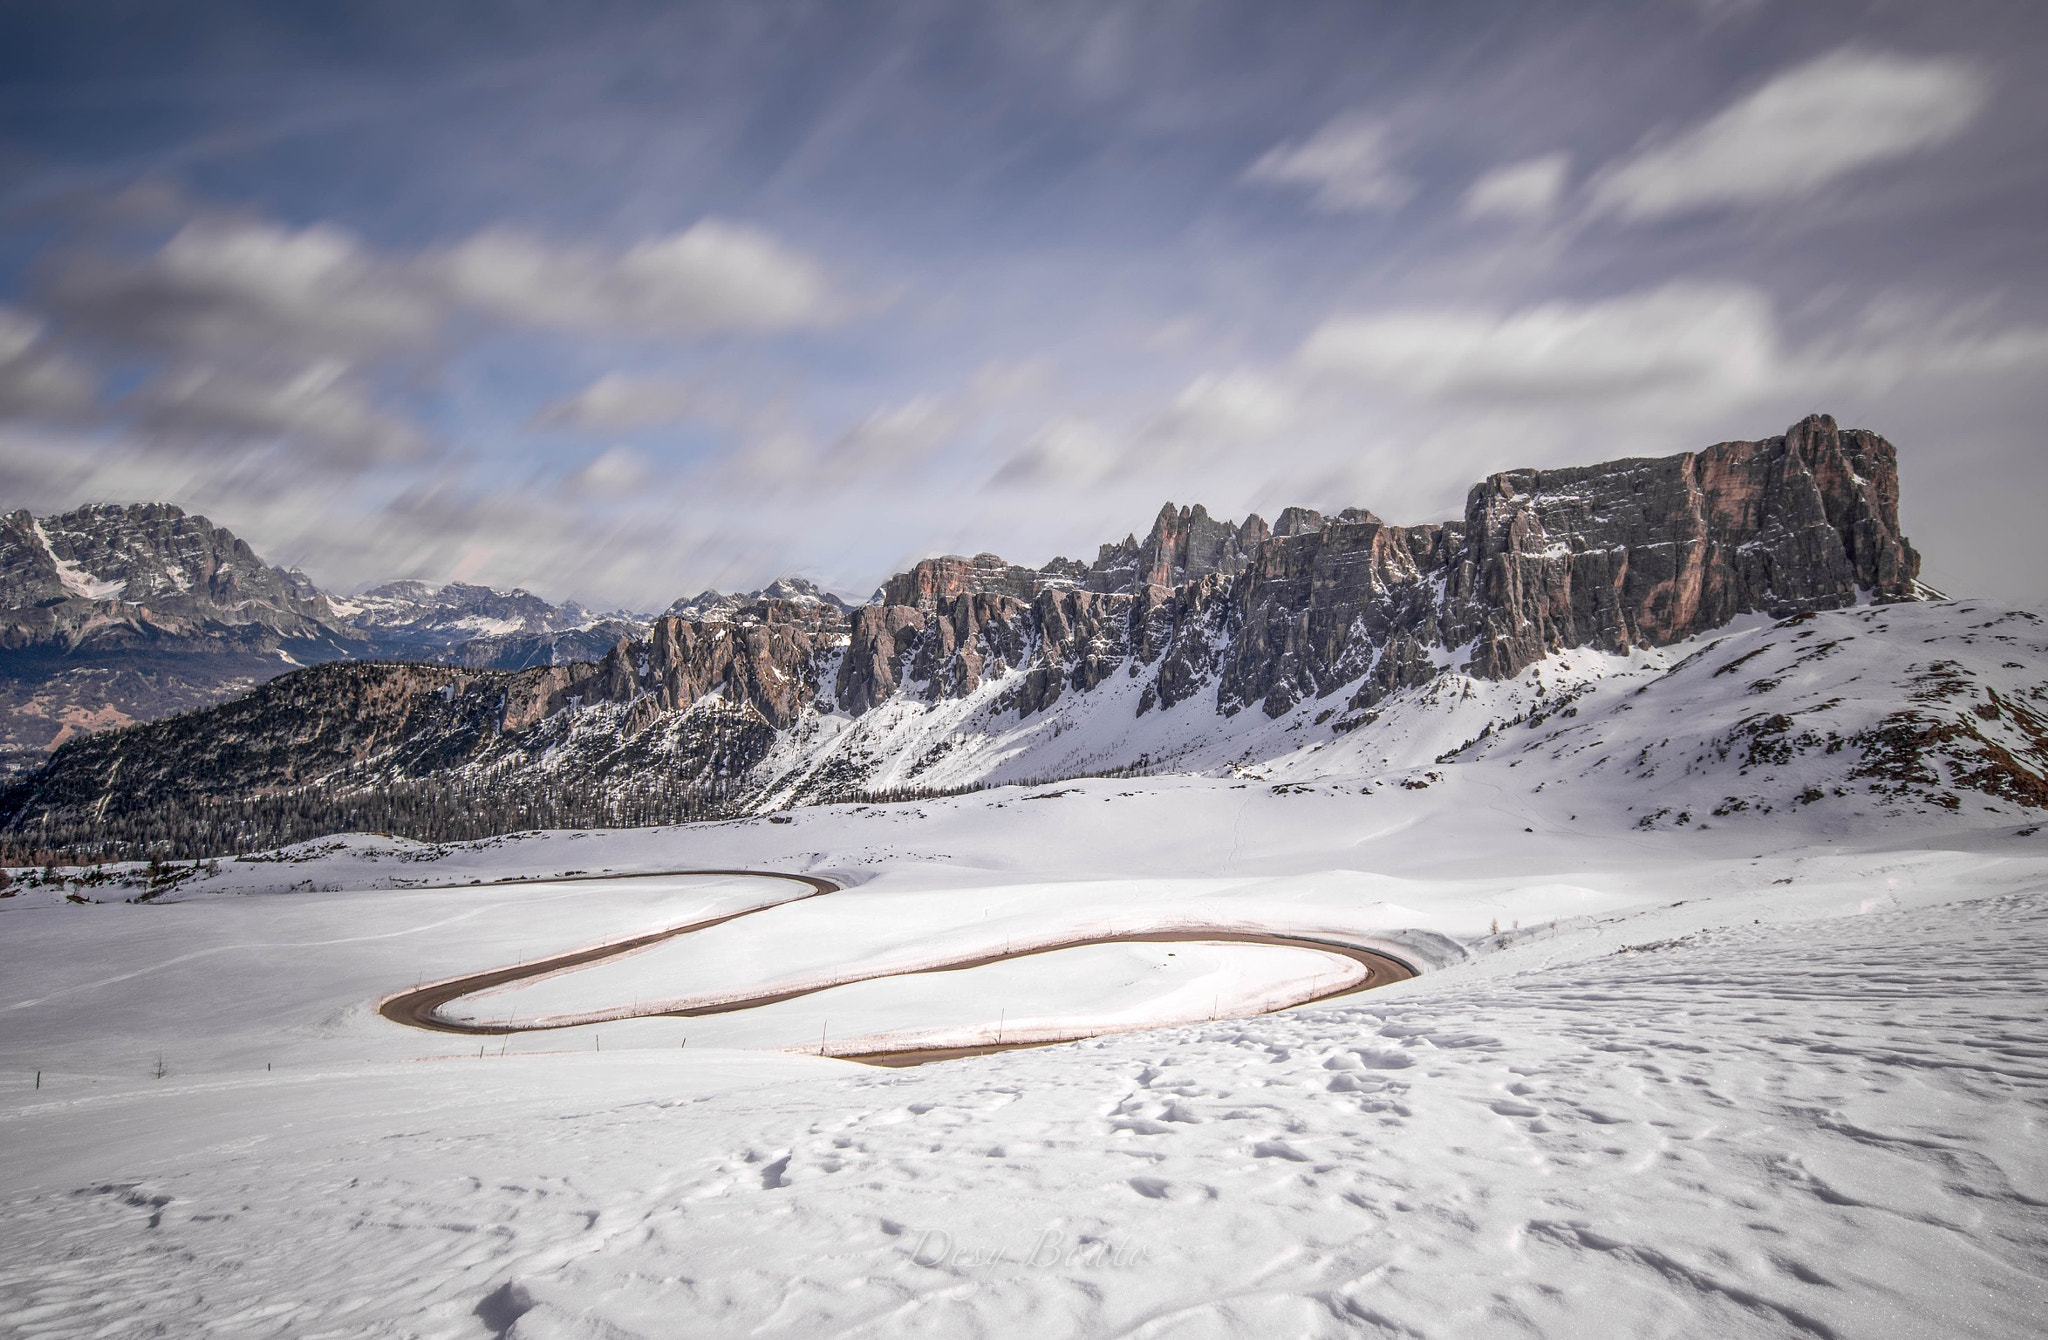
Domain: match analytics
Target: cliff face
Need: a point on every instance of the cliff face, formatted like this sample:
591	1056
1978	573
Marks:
1630	553
1647	552
134	576
1185	544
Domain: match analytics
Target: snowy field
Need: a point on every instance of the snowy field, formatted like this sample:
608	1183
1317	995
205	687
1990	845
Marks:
1708	1087
1774	1071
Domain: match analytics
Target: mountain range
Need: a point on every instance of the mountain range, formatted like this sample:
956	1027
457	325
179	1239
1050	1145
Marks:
1208	645
112	615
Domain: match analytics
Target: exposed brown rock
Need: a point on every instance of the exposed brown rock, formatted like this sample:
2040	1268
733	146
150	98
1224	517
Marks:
932	584
1646	552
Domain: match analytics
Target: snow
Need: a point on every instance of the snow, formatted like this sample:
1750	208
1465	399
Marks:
74	578
1772	1072
485	626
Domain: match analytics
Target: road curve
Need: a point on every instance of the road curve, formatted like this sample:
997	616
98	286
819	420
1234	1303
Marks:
420	1007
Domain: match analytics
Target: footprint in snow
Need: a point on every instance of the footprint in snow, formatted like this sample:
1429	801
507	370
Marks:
1140	1126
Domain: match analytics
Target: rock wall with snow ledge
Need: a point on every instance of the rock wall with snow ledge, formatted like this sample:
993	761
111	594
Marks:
1317	622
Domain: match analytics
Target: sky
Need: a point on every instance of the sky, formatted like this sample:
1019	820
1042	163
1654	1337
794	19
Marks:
622	301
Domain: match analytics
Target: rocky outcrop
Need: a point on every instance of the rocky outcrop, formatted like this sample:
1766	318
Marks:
1321	607
1185	544
766	659
1645	552
1630	553
936	582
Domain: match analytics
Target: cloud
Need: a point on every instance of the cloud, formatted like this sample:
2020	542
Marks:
1526	190
35	380
1345	166
1228	407
243	331
711	278
1804	129
1679	338
616	470
319	404
252	290
1069	451
620	403
894	436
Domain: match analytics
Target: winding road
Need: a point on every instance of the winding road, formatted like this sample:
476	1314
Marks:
420	1007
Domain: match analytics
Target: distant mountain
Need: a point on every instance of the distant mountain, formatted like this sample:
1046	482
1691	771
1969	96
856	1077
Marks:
112	615
111	577
481	627
1538	621
714	606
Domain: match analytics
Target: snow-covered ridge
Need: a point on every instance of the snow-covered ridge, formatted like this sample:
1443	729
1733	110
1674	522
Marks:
718	607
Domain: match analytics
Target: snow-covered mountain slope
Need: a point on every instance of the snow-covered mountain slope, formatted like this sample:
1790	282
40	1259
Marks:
1911	712
1883	710
111	615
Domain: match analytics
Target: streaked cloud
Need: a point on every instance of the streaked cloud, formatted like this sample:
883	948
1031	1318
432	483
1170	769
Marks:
1677	338
895	435
247	289
1347	166
36	380
1529	189
614	470
1803	129
711	278
621	403
319	404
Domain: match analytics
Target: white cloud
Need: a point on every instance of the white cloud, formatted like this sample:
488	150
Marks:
319	404
1809	126
713	277
1066	452
615	470
1526	190
250	331
1236	406
1345	164
894	436
1675	339
621	403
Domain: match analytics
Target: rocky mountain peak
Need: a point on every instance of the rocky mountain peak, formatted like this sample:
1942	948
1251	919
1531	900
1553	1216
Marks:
123	575
710	606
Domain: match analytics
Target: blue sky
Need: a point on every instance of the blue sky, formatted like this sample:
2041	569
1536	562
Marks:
620	301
